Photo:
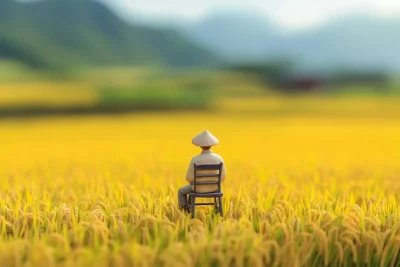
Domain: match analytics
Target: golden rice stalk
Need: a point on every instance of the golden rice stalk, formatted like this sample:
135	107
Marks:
287	254
40	254
391	245
314	215
175	255
340	251
349	243
327	221
373	224
116	260
271	246
202	216
352	235
370	240
9	215
6	226
23	224
333	234
296	224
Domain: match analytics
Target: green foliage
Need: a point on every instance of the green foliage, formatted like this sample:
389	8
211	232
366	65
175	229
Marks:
273	74
65	33
152	97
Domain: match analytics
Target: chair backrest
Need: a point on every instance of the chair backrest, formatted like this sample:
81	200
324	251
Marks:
206	176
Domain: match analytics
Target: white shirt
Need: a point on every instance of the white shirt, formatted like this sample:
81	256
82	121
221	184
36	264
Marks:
206	157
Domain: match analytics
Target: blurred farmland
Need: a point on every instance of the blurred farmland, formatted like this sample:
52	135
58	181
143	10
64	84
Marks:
81	57
98	107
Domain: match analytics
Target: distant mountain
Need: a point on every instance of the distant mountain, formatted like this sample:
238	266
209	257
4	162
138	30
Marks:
234	35
351	41
355	41
68	32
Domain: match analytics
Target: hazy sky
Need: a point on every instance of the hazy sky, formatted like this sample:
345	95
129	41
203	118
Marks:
288	13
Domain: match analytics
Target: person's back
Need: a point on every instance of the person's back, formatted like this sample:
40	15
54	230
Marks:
206	157
205	140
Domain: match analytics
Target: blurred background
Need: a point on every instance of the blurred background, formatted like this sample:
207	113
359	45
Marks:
82	57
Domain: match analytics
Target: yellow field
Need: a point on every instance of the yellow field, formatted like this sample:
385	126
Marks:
313	189
51	94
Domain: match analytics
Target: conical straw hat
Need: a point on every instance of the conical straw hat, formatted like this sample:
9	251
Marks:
205	139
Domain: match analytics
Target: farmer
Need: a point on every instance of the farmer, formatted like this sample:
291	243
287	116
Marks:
205	140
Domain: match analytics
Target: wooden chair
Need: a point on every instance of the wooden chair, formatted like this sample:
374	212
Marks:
198	182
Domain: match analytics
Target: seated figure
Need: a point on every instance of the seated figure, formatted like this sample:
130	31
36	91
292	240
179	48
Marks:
205	140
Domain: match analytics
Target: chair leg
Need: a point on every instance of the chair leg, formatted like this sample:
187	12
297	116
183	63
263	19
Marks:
193	202
215	204
220	207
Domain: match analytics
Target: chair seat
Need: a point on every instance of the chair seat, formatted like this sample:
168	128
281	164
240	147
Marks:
212	194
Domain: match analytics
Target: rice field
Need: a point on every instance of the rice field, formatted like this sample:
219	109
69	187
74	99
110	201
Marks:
302	189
